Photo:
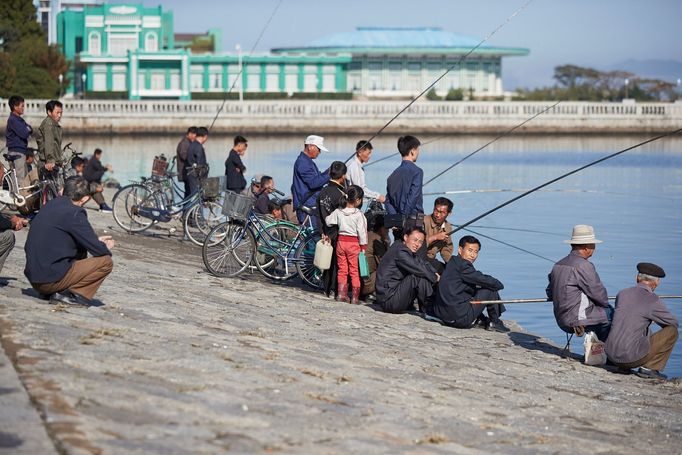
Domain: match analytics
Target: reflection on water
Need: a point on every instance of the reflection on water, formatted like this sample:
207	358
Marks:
634	201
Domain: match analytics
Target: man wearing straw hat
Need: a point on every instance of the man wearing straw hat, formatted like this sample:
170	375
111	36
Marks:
631	343
581	303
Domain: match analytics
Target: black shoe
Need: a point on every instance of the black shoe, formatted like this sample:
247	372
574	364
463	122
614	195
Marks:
105	209
481	323
68	298
648	373
497	326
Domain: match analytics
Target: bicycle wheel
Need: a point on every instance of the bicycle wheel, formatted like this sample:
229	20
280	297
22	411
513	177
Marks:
305	254
228	249
8	186
275	251
200	219
126	204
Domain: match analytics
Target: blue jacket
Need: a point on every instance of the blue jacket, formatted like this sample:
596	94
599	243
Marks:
404	190
59	235
17	133
307	181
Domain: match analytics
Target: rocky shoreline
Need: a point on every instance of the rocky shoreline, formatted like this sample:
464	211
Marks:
178	361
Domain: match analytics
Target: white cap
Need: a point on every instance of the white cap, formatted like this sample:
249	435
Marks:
316	140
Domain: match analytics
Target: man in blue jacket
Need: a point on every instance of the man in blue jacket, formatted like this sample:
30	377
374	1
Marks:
404	187
308	180
17	133
57	246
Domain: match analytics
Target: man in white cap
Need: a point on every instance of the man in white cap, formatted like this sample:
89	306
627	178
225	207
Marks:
581	303
631	343
308	180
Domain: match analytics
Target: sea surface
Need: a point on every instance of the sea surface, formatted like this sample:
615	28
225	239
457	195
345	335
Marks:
634	201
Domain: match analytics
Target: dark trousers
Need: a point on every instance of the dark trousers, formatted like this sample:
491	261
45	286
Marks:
187	191
330	276
410	288
192	183
473	312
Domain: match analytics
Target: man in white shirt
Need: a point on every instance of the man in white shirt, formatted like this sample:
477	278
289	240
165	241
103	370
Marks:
355	175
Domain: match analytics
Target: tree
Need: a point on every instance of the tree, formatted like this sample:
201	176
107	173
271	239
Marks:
455	94
433	96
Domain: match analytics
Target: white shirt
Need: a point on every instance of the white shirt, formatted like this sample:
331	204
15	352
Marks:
356	176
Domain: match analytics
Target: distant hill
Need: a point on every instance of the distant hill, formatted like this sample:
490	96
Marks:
667	70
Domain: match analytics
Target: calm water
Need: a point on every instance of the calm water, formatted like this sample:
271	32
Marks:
634	201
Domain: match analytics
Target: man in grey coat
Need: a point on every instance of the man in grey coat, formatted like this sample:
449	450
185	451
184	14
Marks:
631	343
580	300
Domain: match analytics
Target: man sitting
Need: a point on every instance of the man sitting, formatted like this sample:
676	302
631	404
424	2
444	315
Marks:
93	173
403	276
378	244
438	234
460	284
630	343
57	245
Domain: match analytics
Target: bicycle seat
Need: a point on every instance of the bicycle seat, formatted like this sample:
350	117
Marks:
309	210
9	157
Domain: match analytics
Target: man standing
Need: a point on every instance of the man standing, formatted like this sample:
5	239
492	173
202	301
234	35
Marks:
403	275
57	246
631	344
234	168
356	174
580	300
438	234
196	166
404	186
308	180
7	225
181	153
17	133
327	201
49	137
93	172
460	284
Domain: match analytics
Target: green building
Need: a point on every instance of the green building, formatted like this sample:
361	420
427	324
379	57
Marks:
131	51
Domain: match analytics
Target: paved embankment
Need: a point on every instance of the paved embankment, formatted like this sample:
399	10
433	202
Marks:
178	361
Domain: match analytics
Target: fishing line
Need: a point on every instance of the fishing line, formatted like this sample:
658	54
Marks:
671	133
558	190
507	244
241	70
499	228
490	35
544	300
506	133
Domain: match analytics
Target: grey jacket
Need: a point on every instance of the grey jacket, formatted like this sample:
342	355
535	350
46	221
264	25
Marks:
577	292
636	308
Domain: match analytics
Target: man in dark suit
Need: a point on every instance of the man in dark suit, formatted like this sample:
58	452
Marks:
57	246
460	284
327	201
234	168
196	166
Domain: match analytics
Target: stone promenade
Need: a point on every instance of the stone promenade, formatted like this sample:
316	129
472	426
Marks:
177	361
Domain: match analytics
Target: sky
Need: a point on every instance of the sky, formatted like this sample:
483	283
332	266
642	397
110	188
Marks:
595	33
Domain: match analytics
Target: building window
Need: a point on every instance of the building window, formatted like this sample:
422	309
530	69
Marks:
94	43
175	80
328	82
99	82
151	43
118	81
79	44
291	83
355	82
121	44
215	81
158	81
310	83
272	83
414	67
197	81
141	81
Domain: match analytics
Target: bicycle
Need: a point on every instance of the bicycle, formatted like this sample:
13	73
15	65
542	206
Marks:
56	177
279	250
11	192
138	206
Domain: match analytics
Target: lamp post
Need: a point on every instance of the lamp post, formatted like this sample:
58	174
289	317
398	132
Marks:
61	79
238	47
84	77
627	82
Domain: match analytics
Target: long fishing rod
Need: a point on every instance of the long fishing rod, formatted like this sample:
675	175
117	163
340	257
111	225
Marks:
671	133
541	300
532	231
509	245
241	70
506	133
557	190
453	66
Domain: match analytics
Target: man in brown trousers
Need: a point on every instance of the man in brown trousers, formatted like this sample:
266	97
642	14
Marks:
631	343
57	247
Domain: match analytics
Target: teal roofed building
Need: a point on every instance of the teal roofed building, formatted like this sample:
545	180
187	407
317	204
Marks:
397	62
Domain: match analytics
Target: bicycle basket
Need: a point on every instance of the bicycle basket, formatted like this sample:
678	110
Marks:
237	206
212	186
159	166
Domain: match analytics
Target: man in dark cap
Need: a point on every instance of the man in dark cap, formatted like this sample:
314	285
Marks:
631	343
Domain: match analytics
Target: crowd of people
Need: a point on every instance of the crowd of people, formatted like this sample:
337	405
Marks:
420	271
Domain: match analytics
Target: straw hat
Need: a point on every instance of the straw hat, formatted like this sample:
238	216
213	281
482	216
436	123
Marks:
582	235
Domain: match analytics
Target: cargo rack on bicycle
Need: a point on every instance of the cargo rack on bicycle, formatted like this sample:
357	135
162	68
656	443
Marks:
212	186
237	206
159	167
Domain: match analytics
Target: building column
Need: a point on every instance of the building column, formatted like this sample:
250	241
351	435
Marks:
133	89
185	93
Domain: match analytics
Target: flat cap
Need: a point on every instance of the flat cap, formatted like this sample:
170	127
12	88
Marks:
648	268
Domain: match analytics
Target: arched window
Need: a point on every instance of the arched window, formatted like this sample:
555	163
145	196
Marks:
151	44
94	43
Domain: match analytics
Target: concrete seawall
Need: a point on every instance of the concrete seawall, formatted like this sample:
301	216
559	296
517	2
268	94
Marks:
327	117
178	361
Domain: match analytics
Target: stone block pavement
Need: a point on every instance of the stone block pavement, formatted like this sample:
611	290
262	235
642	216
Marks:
177	361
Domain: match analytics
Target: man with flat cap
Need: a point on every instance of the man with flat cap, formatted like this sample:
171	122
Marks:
581	303
631	343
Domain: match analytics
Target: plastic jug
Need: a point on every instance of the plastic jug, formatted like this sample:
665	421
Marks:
323	255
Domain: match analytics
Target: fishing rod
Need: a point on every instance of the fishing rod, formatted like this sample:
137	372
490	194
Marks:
532	231
241	70
509	245
558	190
671	133
506	302
397	153
453	66
506	133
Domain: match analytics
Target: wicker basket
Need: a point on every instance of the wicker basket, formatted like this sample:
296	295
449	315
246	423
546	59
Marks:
212	186
237	206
